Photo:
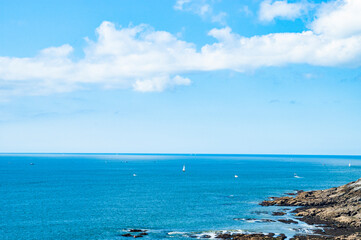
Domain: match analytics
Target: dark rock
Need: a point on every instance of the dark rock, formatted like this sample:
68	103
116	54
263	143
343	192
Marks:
287	221
253	236
278	213
206	236
267	220
311	237
224	236
282	236
136	230
127	235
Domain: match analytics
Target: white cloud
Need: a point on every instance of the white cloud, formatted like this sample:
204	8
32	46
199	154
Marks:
159	83
339	18
282	9
126	57
180	3
203	8
143	59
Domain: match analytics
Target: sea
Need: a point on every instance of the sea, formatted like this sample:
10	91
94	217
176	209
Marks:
103	196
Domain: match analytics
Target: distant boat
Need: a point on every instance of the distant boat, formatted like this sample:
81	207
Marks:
349	164
32	163
134	175
236	176
296	176
184	168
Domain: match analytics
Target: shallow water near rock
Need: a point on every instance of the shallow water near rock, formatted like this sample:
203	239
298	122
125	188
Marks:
102	196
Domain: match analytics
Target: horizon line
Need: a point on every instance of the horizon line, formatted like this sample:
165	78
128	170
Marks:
234	154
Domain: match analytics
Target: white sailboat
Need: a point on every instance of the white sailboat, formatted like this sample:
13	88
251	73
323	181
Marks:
184	168
236	176
349	164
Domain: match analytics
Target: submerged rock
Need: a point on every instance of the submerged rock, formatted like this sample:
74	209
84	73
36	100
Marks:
278	213
127	235
206	236
267	220
137	230
253	236
287	221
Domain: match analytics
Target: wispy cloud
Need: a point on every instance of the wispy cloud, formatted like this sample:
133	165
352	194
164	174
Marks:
144	59
269	10
246	11
203	8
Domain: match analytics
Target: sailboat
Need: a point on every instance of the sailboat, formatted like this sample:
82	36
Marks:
184	168
349	164
236	176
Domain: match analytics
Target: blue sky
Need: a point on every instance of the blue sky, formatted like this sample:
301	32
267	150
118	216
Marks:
182	76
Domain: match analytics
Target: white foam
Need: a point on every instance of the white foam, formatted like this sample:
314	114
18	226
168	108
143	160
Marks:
177	233
214	234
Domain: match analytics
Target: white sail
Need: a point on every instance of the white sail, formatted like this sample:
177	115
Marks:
184	168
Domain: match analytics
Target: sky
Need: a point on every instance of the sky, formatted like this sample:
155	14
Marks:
180	76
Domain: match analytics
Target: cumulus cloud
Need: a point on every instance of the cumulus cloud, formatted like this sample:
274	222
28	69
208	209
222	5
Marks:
143	59
270	10
137	57
203	8
339	18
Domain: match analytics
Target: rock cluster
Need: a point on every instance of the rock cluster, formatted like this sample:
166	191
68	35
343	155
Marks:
338	208
271	236
140	233
341	205
254	236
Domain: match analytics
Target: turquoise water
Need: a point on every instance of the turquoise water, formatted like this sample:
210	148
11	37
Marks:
96	196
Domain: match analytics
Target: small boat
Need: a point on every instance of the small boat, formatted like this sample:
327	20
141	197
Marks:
32	163
134	175
349	164
184	168
236	176
296	176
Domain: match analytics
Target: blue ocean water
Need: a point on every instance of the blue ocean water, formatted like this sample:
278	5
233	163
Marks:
96	196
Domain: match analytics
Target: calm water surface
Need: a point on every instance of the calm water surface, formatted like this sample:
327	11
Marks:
96	196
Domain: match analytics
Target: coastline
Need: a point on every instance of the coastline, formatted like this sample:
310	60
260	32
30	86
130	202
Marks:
337	210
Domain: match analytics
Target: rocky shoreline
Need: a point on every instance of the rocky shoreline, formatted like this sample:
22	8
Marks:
337	210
